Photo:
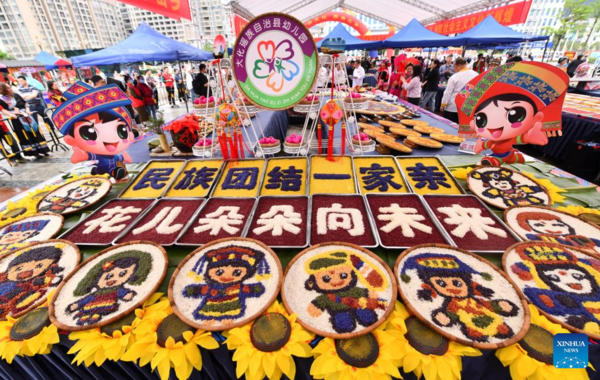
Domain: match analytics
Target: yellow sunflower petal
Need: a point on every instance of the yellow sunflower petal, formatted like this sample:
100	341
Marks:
164	368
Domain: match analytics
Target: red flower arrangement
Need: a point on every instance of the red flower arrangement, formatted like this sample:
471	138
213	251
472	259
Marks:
189	121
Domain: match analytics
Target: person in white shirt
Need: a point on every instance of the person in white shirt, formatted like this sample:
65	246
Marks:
358	75
412	86
188	82
456	83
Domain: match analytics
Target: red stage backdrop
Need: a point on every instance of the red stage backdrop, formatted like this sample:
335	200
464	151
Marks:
506	15
350	20
176	9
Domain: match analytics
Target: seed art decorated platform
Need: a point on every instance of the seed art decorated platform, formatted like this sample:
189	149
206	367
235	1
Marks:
281	222
30	274
470	224
36	227
195	179
562	282
154	180
107	222
108	285
502	188
379	175
182	274
462	296
75	196
163	222
240	179
428	175
553	226
285	176
225	284
338	290
331	177
218	218
403	221
340	218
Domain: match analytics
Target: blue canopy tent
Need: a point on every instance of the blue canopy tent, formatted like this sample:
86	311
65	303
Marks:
415	35
145	44
352	43
491	32
50	61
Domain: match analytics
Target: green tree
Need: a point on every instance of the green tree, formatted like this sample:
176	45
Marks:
5	56
574	12
594	14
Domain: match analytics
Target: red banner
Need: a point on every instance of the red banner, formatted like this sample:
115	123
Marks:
239	24
176	9
506	15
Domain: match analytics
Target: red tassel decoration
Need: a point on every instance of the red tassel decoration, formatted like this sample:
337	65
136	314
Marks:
330	143
343	138
223	143
241	142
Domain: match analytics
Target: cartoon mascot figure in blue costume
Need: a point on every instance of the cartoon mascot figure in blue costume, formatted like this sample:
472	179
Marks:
98	127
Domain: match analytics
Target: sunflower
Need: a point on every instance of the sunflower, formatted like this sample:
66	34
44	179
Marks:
111	341
531	357
265	347
461	173
578	210
423	351
165	342
553	190
372	356
32	334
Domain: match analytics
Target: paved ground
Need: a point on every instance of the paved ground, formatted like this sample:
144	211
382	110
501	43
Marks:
36	171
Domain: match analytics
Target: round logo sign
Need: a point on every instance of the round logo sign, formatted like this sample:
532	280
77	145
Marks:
275	61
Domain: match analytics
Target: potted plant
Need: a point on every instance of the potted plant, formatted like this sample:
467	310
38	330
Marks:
155	126
184	132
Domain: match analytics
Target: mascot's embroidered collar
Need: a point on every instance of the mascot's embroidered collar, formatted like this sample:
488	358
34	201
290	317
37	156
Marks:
84	100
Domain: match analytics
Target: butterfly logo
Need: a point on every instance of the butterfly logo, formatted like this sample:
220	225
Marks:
275	63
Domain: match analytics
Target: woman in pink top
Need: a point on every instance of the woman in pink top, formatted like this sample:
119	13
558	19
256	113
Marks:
412	85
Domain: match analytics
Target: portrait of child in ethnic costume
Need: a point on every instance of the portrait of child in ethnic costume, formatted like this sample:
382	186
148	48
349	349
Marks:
479	312
105	287
30	273
500	184
227	281
563	283
346	285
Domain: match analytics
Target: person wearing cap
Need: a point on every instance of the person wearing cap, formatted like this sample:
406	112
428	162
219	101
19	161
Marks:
98	127
562	64
455	85
517	103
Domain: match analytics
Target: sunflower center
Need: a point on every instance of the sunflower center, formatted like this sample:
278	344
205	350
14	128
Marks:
118	324
538	343
172	327
270	332
14	213
424	339
360	352
30	324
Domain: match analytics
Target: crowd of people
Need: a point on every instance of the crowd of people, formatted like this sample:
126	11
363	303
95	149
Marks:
417	79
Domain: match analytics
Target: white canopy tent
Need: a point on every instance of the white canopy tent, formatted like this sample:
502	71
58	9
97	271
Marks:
393	12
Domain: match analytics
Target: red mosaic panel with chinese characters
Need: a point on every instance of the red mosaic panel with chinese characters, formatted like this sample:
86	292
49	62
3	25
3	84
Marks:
164	222
469	223
340	218
107	222
280	221
402	221
219	218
